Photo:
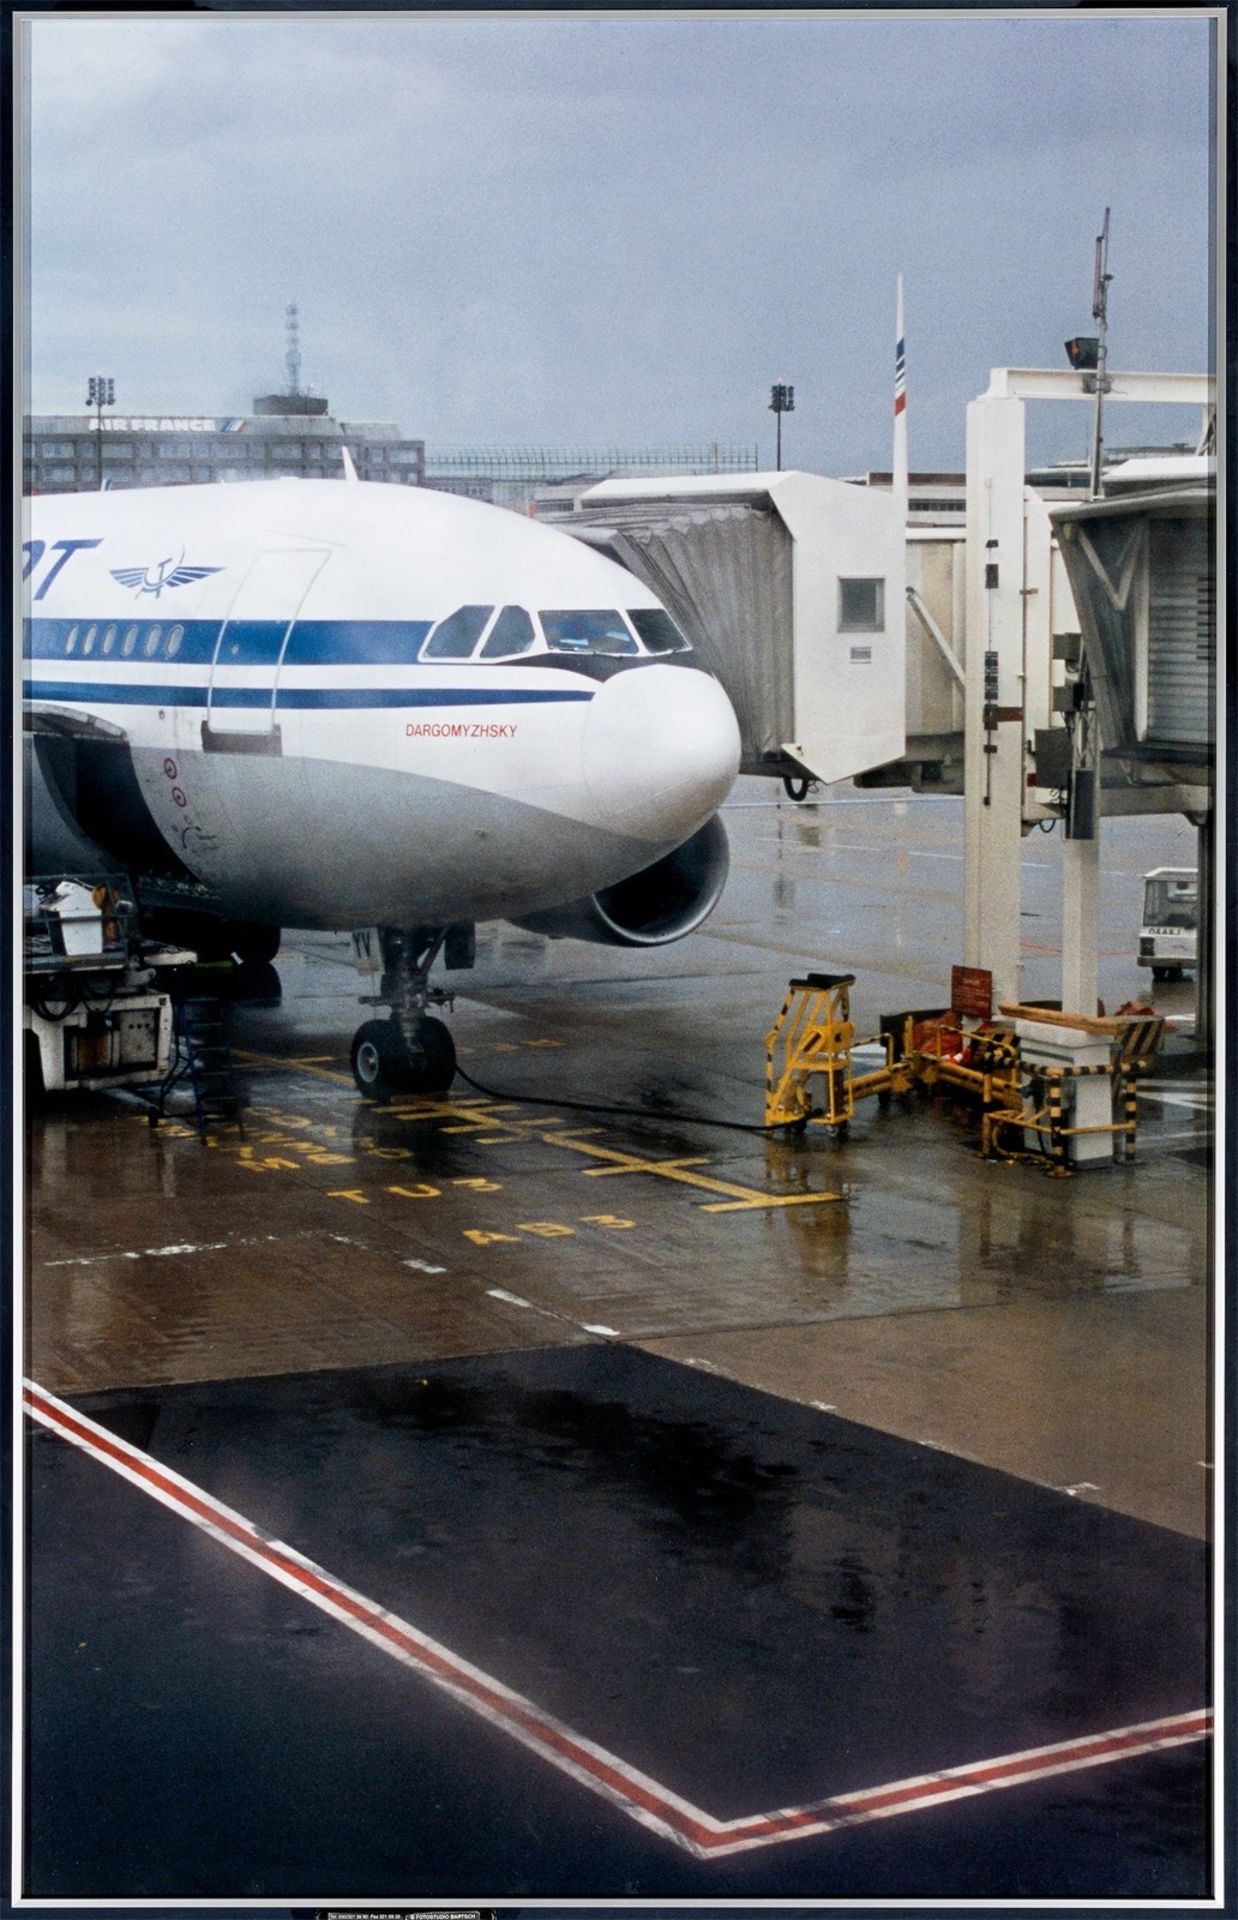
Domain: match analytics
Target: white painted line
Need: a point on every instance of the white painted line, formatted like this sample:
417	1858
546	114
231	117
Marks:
157	1253
643	1799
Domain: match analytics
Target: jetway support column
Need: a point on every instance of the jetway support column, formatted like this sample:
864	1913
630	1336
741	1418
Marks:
993	741
1080	923
1205	953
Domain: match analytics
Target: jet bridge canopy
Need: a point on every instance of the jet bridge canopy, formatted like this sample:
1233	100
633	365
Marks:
791	589
1142	568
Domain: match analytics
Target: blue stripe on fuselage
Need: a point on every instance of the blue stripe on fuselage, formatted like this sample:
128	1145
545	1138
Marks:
323	643
249	643
145	693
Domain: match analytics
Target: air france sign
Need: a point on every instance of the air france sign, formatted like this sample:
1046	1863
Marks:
163	424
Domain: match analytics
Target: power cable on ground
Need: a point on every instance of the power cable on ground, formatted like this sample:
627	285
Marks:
602	1106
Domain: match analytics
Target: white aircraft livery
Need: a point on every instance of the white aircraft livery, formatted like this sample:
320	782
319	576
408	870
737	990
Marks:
339	704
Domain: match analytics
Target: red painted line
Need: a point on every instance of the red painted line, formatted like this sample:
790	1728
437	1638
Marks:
654	1806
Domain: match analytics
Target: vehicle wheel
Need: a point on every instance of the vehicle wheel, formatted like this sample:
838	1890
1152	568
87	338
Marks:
253	943
33	1069
377	1057
1161	973
432	1066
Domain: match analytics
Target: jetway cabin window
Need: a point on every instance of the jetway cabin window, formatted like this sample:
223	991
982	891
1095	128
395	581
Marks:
658	631
511	634
586	631
455	637
861	606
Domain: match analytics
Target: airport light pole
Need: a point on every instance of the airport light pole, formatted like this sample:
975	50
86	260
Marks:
101	393
781	400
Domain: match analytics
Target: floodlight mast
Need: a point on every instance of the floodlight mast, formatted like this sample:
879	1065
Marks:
1100	313
781	400
100	393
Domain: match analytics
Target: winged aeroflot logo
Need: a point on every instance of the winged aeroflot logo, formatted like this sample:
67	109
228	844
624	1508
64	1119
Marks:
165	573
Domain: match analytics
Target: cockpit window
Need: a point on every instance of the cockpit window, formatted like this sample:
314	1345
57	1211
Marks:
658	630
455	637
587	632
512	633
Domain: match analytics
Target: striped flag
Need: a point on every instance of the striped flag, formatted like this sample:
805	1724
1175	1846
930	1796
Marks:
900	474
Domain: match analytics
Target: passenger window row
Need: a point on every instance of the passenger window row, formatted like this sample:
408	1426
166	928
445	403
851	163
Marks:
481	633
469	633
124	641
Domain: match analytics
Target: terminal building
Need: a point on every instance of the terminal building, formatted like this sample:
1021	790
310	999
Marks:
294	434
68	453
291	433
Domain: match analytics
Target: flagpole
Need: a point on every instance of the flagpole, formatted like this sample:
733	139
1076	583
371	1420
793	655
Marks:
900	480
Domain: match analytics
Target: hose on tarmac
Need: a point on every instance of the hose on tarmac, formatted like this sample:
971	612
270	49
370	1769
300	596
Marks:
604	1106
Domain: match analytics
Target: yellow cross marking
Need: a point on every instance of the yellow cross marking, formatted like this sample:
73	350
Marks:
740	1199
282	1060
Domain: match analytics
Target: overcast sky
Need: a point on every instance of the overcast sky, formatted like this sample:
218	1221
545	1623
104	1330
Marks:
618	231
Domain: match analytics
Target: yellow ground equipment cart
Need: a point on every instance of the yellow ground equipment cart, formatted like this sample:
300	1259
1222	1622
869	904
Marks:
1057	1087
814	1035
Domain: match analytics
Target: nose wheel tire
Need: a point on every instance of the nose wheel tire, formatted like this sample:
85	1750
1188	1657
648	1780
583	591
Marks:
436	1068
377	1052
382	1065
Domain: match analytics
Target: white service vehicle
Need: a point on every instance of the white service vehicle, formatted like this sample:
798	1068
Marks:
96	1011
1169	935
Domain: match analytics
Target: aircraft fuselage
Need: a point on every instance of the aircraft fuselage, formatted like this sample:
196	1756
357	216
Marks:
339	704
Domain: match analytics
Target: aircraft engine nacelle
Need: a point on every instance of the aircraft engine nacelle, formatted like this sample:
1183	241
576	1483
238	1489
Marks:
661	903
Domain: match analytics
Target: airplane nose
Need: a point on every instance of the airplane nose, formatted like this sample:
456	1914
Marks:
661	751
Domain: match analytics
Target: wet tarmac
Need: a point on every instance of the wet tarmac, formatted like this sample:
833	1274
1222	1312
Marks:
776	1473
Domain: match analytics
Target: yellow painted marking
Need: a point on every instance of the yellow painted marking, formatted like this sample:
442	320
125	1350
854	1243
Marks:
273	1160
305	1066
481	1239
605	1220
387	1153
545	1229
769	1200
481	1122
480	1186
423	1192
746	1197
478	1117
634	1164
315	1157
350	1193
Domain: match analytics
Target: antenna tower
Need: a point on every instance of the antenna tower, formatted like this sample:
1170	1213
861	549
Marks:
1100	313
292	358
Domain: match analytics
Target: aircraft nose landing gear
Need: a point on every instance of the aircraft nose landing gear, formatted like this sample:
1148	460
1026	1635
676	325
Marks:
411	1052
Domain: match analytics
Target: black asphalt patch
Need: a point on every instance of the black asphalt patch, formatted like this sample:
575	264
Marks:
756	1604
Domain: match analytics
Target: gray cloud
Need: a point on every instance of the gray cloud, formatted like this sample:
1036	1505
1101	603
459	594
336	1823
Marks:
572	230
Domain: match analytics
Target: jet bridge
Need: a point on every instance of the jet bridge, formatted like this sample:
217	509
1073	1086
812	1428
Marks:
791	589
1141	563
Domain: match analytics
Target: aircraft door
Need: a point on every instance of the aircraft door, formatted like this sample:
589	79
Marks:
240	703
